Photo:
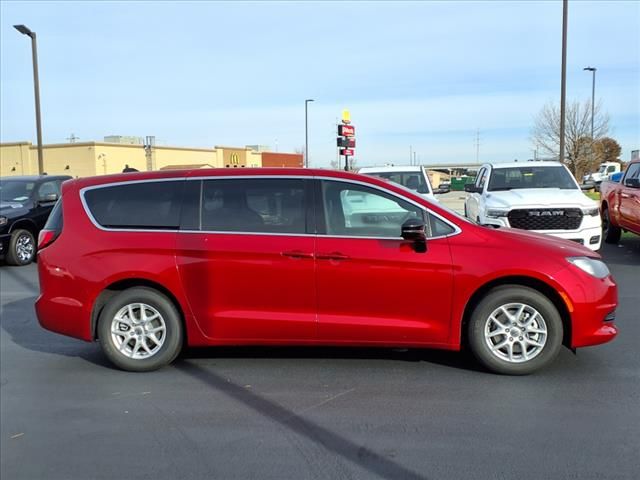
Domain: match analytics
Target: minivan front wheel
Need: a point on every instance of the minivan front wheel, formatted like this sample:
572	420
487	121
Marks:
140	330
515	330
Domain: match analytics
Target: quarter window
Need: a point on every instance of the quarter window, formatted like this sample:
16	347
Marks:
142	205
356	210
254	205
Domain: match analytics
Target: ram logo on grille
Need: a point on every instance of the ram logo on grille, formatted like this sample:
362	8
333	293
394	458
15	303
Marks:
546	213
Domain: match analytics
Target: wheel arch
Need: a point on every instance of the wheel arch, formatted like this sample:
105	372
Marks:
116	287
25	224
534	283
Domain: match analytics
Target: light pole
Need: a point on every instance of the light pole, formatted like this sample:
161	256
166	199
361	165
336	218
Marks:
563	77
306	132
36	87
593	100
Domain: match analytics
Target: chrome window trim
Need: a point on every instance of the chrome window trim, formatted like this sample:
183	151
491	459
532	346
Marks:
85	206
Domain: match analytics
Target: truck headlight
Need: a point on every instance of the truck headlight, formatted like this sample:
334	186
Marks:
591	211
495	213
3	221
593	267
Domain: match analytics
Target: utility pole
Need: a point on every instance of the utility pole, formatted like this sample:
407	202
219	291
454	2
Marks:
563	80
410	154
593	103
477	146
149	143
36	88
306	132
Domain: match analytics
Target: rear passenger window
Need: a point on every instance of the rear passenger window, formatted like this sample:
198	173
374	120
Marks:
143	205
254	205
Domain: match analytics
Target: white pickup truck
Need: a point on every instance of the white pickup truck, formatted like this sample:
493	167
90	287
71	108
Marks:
539	196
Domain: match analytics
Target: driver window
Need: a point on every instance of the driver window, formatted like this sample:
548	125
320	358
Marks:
356	210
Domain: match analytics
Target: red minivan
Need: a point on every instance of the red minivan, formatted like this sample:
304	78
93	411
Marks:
147	263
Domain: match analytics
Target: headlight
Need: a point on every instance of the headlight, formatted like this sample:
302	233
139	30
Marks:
494	213
3	221
591	211
592	266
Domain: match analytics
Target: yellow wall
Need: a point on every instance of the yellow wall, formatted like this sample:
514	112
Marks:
15	159
99	158
77	160
112	157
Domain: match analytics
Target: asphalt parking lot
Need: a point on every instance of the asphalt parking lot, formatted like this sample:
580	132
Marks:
280	413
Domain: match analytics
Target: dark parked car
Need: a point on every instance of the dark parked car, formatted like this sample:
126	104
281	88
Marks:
25	204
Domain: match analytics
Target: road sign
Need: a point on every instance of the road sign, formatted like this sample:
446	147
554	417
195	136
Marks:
346	130
347	152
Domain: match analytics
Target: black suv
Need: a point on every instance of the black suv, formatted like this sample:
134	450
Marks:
25	204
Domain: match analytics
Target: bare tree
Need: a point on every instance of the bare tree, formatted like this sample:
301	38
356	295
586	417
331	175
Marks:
579	157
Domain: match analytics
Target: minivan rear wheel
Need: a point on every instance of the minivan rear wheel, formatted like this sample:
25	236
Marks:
140	330
515	330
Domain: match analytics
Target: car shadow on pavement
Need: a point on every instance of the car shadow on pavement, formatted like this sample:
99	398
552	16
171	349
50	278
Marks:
18	319
350	451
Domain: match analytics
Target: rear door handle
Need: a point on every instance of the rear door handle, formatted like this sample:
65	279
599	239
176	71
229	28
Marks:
297	254
332	256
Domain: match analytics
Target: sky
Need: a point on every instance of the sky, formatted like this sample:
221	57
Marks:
422	76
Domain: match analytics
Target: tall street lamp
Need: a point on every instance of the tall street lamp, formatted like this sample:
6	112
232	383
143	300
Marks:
36	87
306	131
563	76
593	101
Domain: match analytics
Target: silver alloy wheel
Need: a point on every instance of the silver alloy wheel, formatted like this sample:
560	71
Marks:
24	247
515	332
138	331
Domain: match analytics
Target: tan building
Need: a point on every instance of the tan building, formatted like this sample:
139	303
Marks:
85	159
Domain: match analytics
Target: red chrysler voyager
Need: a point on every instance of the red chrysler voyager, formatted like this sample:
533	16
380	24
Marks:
147	263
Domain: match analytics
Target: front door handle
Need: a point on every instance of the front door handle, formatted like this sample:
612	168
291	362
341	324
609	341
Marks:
332	256
297	254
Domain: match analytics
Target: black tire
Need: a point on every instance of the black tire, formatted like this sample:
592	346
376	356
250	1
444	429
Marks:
16	253
610	233
512	294
171	342
465	211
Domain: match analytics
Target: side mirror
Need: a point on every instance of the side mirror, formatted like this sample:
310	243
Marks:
413	230
632	182
471	188
48	198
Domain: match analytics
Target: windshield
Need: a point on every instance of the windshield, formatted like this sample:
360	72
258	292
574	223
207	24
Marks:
602	169
414	181
15	190
531	177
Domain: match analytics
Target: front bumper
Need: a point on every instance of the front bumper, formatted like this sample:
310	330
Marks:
592	304
589	236
5	238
